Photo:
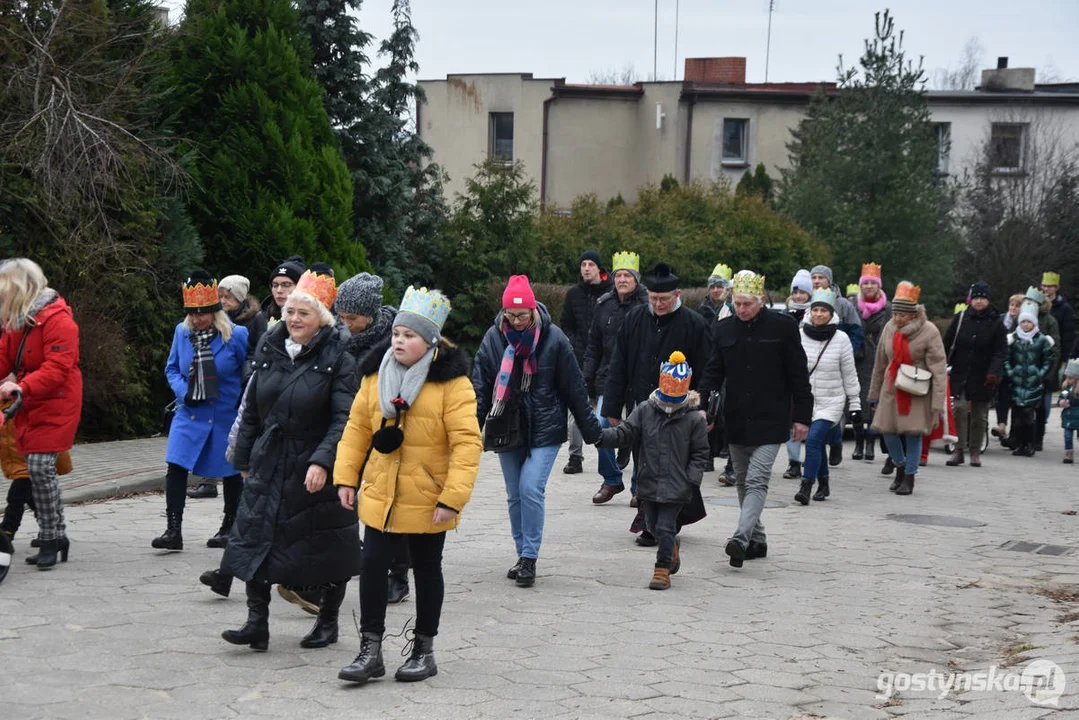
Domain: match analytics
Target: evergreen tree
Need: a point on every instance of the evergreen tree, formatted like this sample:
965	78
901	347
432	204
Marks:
862	175
758	183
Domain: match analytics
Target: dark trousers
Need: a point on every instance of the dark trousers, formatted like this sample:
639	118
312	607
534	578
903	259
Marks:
662	522
1004	400
401	561
1024	425
19	497
378	553
176	490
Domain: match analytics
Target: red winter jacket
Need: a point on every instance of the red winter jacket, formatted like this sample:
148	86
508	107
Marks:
50	379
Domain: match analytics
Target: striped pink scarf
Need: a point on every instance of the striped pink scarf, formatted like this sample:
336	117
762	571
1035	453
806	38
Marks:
518	344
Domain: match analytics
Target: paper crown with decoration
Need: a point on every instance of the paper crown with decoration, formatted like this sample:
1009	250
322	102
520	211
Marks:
853	289
424	311
1051	278
675	376
959	307
1072	368
1034	295
321	287
200	293
626	261
721	276
823	296
870	272
747	282
906	297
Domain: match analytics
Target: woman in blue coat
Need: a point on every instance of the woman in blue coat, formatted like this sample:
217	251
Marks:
204	370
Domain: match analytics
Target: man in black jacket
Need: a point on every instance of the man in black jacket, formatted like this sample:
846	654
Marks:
576	322
759	354
1064	315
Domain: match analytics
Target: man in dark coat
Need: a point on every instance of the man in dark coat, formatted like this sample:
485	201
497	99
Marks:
977	344
576	323
611	311
1063	314
283	281
758	353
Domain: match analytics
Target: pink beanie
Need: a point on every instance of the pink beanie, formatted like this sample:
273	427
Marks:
518	293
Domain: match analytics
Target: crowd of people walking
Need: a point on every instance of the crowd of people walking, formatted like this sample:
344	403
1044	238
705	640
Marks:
323	410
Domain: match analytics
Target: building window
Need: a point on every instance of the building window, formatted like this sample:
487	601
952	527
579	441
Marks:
1006	147
735	141
500	138
944	146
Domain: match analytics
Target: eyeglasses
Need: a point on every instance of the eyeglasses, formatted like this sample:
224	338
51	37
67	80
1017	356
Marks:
518	316
282	285
661	299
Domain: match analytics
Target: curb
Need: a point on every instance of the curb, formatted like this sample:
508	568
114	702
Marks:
111	487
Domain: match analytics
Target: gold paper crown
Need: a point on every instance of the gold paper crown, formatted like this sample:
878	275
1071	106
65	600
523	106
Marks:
200	295
430	304
724	271
747	282
871	270
321	287
626	261
907	292
853	289
675	377
1051	278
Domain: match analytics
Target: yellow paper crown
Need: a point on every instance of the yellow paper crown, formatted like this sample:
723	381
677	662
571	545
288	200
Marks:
870	270
430	304
321	287
959	307
853	289
626	261
724	271
907	292
747	282
675	377
1051	278
200	295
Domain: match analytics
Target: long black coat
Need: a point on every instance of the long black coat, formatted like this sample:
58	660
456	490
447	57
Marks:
645	341
872	327
282	533
607	320
557	385
577	313
1065	318
981	346
767	377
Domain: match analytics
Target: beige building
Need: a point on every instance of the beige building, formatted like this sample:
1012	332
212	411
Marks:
610	140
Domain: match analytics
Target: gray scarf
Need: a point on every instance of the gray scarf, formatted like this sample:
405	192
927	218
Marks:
397	381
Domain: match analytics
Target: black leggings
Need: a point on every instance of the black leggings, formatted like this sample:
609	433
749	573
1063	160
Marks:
176	490
426	553
19	497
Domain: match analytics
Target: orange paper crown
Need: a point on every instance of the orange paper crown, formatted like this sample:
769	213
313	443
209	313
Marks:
321	287
871	270
907	292
675	376
200	296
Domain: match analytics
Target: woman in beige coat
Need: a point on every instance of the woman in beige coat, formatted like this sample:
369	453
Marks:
902	418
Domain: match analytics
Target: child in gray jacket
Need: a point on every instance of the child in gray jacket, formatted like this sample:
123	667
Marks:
671	438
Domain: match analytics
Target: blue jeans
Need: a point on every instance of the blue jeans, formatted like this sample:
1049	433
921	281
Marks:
815	465
794	451
909	459
526	486
608	464
835	434
1068	434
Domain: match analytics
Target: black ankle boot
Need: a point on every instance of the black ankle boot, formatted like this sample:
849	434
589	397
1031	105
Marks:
218	581
859	443
368	663
421	663
870	449
48	550
889	466
526	575
804	490
325	630
900	473
256	631
172	538
221	539
793	471
823	490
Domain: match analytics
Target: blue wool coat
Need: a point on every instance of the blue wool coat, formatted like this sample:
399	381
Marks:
199	435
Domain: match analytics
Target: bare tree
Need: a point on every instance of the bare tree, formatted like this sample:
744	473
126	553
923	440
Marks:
627	75
965	75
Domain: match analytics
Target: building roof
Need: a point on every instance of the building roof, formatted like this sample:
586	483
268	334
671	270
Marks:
1039	95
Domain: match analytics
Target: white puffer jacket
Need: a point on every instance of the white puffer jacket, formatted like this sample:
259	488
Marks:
835	381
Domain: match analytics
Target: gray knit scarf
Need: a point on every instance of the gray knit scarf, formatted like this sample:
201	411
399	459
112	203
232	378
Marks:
397	381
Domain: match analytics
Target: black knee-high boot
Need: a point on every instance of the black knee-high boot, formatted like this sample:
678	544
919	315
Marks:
233	487
859	441
256	631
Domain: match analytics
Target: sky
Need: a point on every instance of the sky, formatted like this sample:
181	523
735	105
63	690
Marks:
573	38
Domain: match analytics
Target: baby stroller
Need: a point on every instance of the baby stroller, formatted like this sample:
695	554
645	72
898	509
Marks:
6	548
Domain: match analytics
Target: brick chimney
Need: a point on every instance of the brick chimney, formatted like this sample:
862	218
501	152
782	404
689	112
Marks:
716	71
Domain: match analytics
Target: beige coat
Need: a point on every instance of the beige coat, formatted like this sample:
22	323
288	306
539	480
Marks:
926	352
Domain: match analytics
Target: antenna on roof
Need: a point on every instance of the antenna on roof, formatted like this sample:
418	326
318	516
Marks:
675	76
768	48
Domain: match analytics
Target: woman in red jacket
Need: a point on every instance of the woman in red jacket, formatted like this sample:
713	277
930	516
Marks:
40	345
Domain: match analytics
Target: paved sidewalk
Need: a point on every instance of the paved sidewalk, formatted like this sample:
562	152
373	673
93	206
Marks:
848	597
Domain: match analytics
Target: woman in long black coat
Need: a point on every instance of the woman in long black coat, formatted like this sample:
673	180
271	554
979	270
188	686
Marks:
291	528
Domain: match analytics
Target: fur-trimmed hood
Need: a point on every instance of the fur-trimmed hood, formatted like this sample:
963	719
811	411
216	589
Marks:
692	402
451	362
248	310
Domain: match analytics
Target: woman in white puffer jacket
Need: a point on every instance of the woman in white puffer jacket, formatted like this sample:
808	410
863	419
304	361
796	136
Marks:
834	379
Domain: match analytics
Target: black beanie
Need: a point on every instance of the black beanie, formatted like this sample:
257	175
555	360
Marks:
321	268
660	279
292	268
979	289
594	256
200	301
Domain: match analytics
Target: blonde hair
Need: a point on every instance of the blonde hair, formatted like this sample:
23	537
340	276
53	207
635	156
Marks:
221	323
325	317
1017	298
21	283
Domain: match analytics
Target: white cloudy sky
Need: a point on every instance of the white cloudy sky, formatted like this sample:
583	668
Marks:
570	38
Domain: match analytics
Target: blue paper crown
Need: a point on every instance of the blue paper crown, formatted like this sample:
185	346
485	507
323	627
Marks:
430	304
823	295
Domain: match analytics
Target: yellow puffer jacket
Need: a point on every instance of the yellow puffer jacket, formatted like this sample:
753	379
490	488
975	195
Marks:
436	464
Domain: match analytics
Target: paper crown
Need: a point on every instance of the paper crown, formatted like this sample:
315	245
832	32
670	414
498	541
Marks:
675	376
321	287
1072	368
870	270
747	282
723	271
1051	278
959	307
430	304
853	289
823	295
1035	295
907	292
201	297
626	261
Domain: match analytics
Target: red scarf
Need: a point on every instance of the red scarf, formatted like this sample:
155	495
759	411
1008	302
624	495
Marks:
900	356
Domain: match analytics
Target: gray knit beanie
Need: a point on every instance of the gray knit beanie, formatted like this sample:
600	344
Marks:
359	295
825	271
236	285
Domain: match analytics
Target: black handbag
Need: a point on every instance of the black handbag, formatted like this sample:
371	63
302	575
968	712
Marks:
167	416
505	432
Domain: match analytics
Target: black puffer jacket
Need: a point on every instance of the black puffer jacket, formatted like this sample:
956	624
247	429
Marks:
610	313
872	327
250	316
981	346
1065	318
295	414
644	342
557	385
578	310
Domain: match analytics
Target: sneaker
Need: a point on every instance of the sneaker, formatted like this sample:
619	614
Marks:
646	539
574	466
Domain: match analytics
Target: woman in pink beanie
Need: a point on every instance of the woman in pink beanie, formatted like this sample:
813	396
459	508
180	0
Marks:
526	377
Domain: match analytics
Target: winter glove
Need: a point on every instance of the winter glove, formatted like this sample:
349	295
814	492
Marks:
991	380
855	417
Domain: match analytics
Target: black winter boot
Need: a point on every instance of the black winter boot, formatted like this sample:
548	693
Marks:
900	473
889	466
794	471
45	560
172	539
870	448
421	662
218	581
907	486
221	539
823	491
804	490
835	454
368	664
859	442
256	631
325	631
526	575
